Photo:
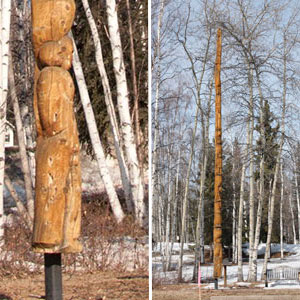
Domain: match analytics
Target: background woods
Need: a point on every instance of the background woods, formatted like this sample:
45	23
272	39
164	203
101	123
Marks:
110	105
260	91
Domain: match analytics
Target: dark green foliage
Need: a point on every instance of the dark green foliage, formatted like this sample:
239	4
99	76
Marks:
270	153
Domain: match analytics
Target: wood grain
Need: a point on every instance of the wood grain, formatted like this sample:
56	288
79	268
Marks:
58	179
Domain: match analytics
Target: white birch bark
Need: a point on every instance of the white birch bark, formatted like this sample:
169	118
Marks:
240	226
22	144
281	211
168	217
261	183
138	132
27	116
174	214
5	30
251	175
234	213
183	233
293	219
277	166
109	106
155	125
298	200
198	85
95	138
241	209
137	187
199	253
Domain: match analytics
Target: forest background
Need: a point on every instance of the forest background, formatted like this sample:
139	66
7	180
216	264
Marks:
260	126
110	72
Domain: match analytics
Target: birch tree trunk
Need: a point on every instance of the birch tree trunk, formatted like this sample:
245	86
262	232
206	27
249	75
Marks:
22	145
240	219
174	215
94	135
293	218
234	214
199	253
281	212
251	175
261	182
110	107
136	118
298	200
198	85
186	191
155	124
5	31
168	217
123	108
277	166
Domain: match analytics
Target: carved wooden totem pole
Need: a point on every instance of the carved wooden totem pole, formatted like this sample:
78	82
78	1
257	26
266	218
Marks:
218	257
58	179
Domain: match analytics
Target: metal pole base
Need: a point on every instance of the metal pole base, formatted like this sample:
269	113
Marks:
216	283
53	277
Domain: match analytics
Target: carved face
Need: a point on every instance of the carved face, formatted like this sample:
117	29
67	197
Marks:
56	54
55	92
52	19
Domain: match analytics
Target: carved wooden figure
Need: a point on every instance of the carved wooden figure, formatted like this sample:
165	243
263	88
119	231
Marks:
218	256
58	179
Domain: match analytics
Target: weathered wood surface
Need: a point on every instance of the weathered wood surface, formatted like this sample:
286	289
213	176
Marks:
218	255
58	180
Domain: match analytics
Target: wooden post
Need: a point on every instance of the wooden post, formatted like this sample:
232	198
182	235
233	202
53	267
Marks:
57	208
225	275
218	166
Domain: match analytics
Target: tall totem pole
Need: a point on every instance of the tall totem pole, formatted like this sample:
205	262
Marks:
58	179
218	255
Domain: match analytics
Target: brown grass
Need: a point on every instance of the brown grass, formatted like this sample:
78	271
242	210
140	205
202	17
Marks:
191	292
99	272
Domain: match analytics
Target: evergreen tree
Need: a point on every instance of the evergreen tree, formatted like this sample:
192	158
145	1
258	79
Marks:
270	153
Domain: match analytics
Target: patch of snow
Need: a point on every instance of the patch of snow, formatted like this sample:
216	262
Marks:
207	270
243	283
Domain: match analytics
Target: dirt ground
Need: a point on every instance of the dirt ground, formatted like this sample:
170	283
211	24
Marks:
96	286
191	292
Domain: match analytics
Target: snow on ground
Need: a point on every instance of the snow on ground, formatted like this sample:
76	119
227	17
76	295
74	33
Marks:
293	260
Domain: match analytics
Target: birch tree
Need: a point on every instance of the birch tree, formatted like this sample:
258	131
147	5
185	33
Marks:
123	109
4	42
281	210
182	38
110	106
97	145
278	158
22	143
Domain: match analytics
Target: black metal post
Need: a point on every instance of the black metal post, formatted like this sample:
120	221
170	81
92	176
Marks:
216	283
53	276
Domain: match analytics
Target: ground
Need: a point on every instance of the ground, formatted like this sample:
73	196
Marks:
96	286
191	292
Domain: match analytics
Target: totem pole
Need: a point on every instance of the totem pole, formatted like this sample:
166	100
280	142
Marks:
58	179
218	167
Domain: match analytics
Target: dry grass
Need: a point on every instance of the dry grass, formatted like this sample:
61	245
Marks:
113	264
80	286
191	292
